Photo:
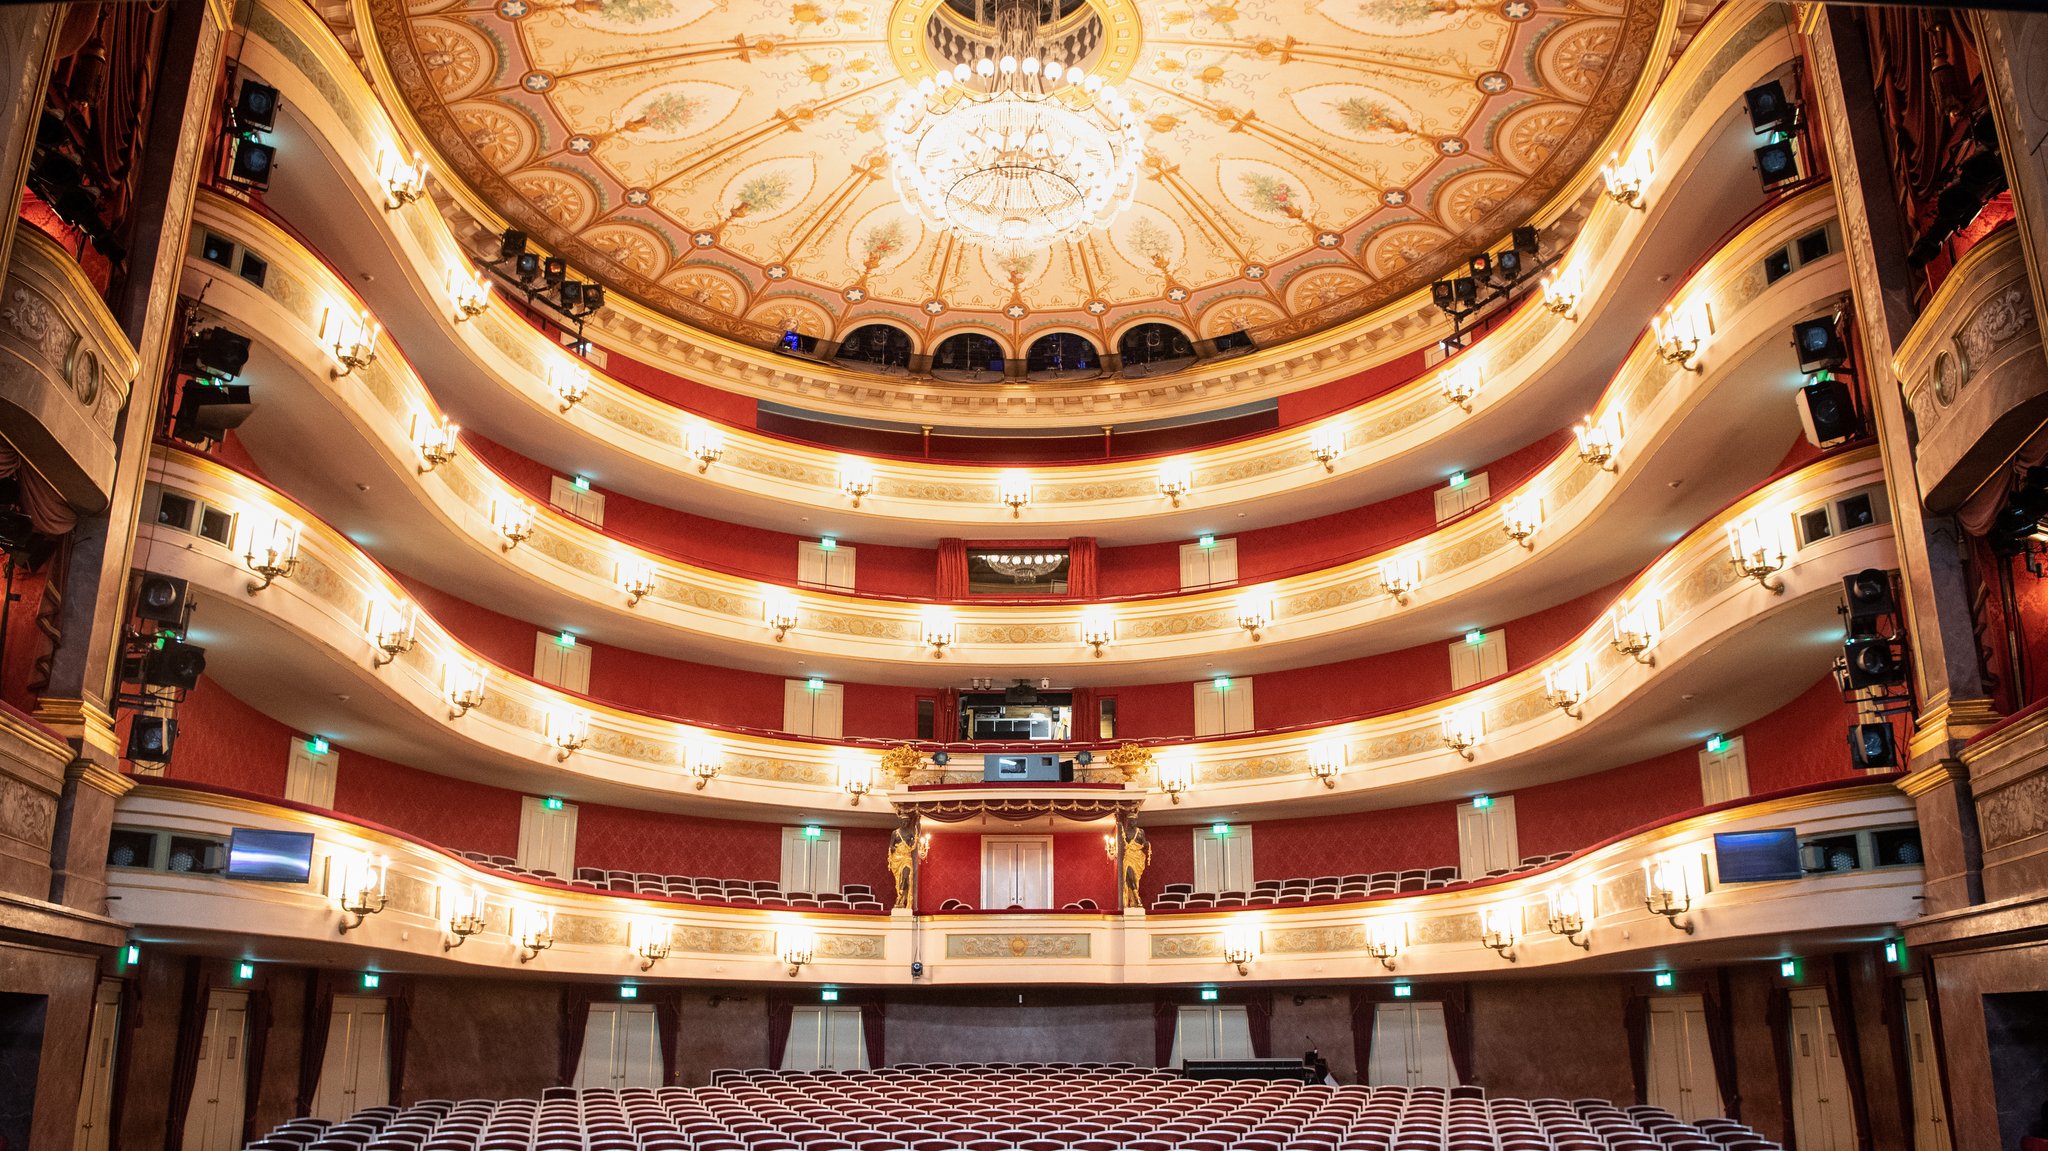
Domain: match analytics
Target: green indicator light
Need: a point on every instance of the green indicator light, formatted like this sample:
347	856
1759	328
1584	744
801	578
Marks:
1207	541
1403	991
827	544
813	831
371	980
1208	995
1715	743
1789	969
581	484
1665	979
317	745
1475	637
1459	479
1220	830
629	992
134	954
1481	802
552	803
245	971
564	639
828	995
814	684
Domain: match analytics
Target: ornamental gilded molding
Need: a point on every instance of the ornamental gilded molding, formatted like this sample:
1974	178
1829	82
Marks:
1022	946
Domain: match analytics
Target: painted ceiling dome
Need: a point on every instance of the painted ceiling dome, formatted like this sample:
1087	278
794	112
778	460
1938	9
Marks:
1303	161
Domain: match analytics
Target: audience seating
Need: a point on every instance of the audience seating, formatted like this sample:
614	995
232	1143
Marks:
756	892
1331	888
1010	1107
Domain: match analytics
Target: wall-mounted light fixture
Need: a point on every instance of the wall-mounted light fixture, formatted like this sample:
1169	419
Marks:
1756	546
797	947
513	519
1326	760
1566	686
1598	439
1561	291
1385	937
568	729
1626	180
463	684
856	478
705	444
434	441
1667	891
1459	385
361	893
1176	776
272	551
1500	928
469	292
856	776
569	381
1013	490
392	630
1326	445
649	940
1255	611
1635	629
700	760
1571	913
1176	479
1462	730
779	611
533	930
938	630
350	338
1400	576
1678	333
1241	947
636	578
462	914
1520	516
1098	628
404	180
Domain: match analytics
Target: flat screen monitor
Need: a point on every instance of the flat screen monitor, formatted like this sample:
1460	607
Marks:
1757	856
270	856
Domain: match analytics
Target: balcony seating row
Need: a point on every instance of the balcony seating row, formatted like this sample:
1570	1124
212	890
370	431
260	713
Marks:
1317	889
757	892
1045	1107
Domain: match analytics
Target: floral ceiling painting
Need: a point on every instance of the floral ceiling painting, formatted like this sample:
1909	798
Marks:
1304	160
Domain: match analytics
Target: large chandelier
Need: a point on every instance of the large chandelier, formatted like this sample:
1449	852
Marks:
1016	149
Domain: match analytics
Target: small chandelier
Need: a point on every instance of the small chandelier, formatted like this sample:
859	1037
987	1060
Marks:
1016	148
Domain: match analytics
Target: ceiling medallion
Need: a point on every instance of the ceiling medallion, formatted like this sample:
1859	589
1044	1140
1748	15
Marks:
1017	149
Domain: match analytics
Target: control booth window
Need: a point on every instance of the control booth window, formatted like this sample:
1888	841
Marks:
1022	713
1000	571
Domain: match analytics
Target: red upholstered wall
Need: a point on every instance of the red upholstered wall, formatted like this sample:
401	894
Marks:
951	871
1390	840
1803	742
24	640
453	813
1173	859
1080	870
623	839
1573	813
1145	711
225	742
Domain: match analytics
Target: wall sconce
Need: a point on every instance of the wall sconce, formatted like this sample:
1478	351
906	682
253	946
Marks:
1401	576
1666	891
1176	479
462	914
568	729
1561	293
1326	445
1635	630
778	610
1626	180
1598	440
1384	939
273	555
533	930
1459	385
463	684
470	293
1566	686
1571	911
797	948
1013	490
570	383
938	631
649	940
404	180
1176	775
362	891
856	478
1462	729
352	339
1240	947
1098	628
1677	334
435	442
856	777
636	578
391	630
924	846
1500	928
1757	552
513	519
1520	517
705	444
1255	611
700	760
1326	761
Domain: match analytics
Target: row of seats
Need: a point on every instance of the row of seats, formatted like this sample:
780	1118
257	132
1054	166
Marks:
1011	1107
756	892
1322	888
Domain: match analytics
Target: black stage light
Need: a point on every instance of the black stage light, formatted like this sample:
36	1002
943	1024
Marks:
1777	162
1440	294
570	293
527	267
593	297
1819	343
150	738
1525	238
251	163
173	663
1479	265
554	270
1768	109
216	353
206	410
1869	593
1873	746
511	244
1872	662
1508	262
161	598
256	106
1466	289
1827	413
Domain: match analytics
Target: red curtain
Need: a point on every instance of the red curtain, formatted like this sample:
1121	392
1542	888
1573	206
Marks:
575	1019
1842	1014
398	1022
1457	1000
1258	1011
1364	1011
871	1030
1165	1019
668	1020
185	1056
1635	1018
779	1011
952	574
320	991
1778	1016
131	1019
1083	567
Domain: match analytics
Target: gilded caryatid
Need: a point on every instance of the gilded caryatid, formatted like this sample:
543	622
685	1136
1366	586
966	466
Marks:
903	860
1137	853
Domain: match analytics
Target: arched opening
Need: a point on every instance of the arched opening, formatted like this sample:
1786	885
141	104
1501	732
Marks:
1062	355
877	346
967	356
1151	348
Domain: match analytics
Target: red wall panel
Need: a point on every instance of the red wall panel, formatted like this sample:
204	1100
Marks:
623	839
1806	741
227	743
1390	840
1152	710
951	871
1575	813
456	814
1080	870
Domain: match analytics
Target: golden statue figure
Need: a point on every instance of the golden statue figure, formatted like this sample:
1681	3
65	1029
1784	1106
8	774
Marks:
903	861
1137	853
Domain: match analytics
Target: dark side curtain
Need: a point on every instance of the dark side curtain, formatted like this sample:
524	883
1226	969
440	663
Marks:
1457	1002
574	1021
131	1019
398	1022
1717	997
185	1057
1778	1016
1258	1011
256	1027
779	1011
1635	1019
1165	1018
952	582
871	1030
320	990
1842	1015
668	1019
1365	1009
1083	566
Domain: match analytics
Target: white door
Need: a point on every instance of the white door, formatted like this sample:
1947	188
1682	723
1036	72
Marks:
1680	1060
1220	710
1930	1106
1411	1047
1487	837
1223	862
213	1122
1822	1119
1212	566
621	1047
1016	871
356	1071
821	1037
810	862
820	713
1211	1033
309	777
97	1092
547	836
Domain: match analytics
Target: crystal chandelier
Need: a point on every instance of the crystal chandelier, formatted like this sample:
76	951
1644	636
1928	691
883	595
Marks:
1016	149
1024	569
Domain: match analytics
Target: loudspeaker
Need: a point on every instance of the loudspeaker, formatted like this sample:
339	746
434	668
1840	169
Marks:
1819	344
217	353
1872	662
150	738
174	664
1768	109
1869	593
1827	413
205	411
161	598
1872	746
250	163
1777	162
256	106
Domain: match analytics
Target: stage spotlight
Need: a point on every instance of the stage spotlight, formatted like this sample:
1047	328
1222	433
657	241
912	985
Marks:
216	353
511	244
1873	746
1819	343
256	106
174	664
1768	109
1777	163
150	738
251	162
161	598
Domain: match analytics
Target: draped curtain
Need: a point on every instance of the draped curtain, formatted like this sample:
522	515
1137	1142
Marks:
1457	1005
871	1025
952	581
1636	1020
1083	566
47	512
780	1009
398	1024
1842	1015
1721	1040
320	990
185	1056
131	1019
574	1021
256	1028
668	1020
1778	1017
1365	1008
1457	1000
